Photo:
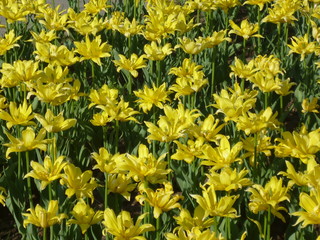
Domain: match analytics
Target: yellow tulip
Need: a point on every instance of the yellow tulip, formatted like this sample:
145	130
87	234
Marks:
28	141
48	171
55	123
21	115
41	217
84	216
123	227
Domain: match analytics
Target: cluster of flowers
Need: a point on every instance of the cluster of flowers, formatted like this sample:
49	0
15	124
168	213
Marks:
228	144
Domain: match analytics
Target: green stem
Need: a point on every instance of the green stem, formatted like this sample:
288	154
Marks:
106	191
244	45
266	100
29	181
116	144
158	66
44	234
86	237
269	224
92	73
169	160
259	30
130	84
158	228
279	51
213	67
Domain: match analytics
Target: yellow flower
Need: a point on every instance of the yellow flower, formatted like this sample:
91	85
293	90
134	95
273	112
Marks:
95	6
41	217
228	179
2	196
107	162
221	156
55	123
265	83
78	183
28	141
173	125
225	5
14	11
207	129
43	36
84	23
121	184
191	47
216	38
52	19
298	178
214	207
152	96
21	115
260	3
310	106
48	171
310	204
262	144
282	12
285	86
8	42
22	71
145	167
269	196
241	70
103	96
155	52
190	78
128	28
254	123
123	227
302	46
93	50
235	103
162	200
246	29
199	220
55	55
3	103
188	152
84	216
119	111
302	145
100	119
131	64
193	234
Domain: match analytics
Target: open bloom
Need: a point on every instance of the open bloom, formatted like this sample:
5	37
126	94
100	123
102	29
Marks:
41	217
245	30
28	141
155	96
269	196
93	50
123	227
55	123
311	205
162	200
145	167
302	46
84	216
78	183
214	207
48	171
21	115
131	64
